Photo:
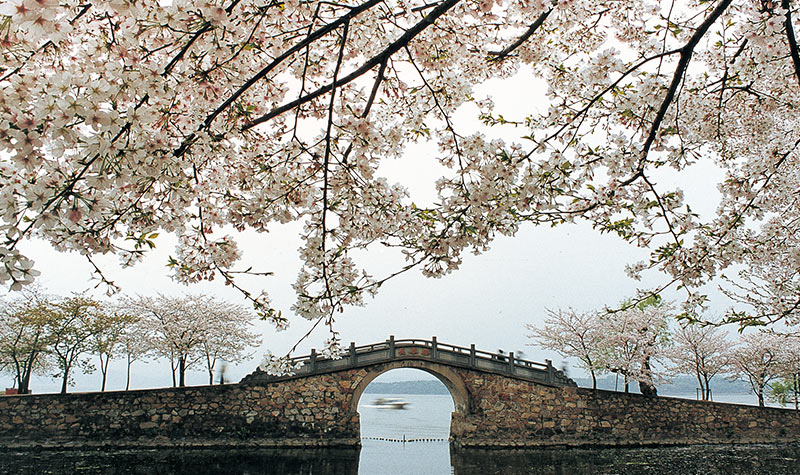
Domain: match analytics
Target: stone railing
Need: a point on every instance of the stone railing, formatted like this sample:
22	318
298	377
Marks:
429	350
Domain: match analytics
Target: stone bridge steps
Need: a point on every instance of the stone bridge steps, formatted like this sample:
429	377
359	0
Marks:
414	349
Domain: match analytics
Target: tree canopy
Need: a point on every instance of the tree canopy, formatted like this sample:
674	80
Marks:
124	119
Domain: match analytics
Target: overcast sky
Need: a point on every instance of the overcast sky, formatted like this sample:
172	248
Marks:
487	302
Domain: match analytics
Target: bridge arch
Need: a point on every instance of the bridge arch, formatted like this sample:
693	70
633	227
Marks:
452	381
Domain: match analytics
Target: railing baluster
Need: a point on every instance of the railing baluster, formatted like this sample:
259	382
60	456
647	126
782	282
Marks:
434	349
313	360
352	354
472	355
391	347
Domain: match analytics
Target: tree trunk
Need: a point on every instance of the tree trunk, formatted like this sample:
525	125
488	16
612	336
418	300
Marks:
182	371
128	374
709	396
104	370
646	387
210	370
25	381
65	381
594	380
703	395
760	395
25	374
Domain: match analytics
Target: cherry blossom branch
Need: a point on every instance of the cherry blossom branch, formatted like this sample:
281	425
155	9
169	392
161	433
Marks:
304	76
376	60
500	55
739	216
113	288
326	162
204	29
683	63
598	97
445	116
311	38
84	8
664	212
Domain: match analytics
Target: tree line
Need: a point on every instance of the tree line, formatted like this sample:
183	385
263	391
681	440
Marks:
639	344
59	336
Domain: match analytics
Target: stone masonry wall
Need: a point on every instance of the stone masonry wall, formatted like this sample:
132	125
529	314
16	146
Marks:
320	411
509	413
312	411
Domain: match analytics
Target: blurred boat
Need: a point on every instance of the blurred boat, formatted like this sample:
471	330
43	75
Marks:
390	403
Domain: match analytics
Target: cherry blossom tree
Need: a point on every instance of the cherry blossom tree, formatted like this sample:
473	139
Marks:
192	330
175	327
758	360
699	350
226	336
70	328
788	387
634	338
107	338
122	120
573	335
627	342
24	339
135	344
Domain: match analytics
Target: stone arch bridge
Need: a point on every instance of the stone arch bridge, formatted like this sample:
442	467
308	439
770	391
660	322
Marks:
462	370
500	401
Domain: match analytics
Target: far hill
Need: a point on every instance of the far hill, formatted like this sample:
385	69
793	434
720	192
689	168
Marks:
407	387
680	385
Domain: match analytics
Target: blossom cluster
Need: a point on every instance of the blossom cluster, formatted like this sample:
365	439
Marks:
126	118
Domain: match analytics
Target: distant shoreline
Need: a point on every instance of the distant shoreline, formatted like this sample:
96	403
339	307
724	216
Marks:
407	387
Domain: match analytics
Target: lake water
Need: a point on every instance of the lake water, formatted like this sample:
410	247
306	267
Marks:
425	426
424	423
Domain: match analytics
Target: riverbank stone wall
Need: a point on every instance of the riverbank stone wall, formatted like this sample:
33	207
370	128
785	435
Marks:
306	412
508	413
492	411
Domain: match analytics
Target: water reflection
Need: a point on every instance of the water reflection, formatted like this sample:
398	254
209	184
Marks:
181	462
705	460
751	460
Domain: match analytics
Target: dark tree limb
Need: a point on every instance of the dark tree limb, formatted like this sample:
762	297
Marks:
500	55
326	163
680	70
374	61
319	33
791	39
